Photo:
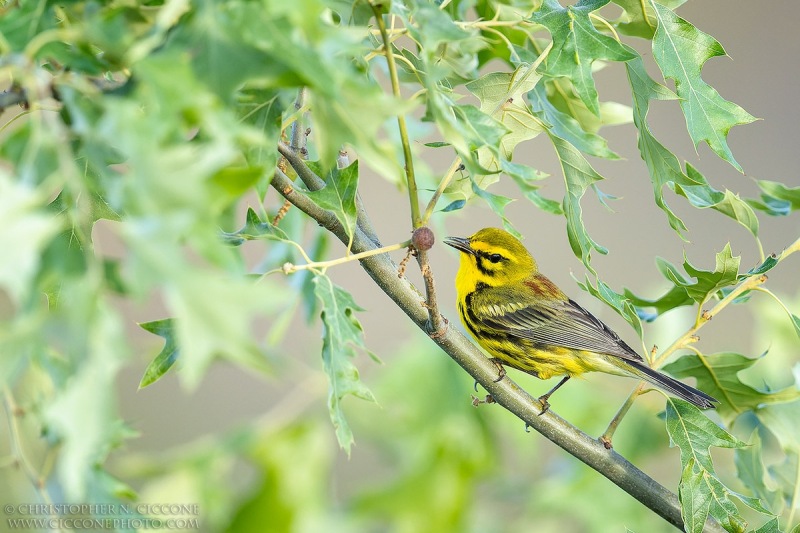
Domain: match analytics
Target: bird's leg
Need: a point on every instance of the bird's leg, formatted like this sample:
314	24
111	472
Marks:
544	397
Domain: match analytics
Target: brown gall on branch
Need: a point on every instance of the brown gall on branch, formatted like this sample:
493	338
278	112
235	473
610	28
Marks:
423	239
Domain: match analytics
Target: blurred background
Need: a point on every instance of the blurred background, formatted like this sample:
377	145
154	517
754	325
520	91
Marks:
258	453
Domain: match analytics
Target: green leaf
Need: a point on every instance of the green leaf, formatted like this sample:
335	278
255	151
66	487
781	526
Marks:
781	420
454	206
664	168
638	18
718	375
254	228
709	282
701	493
795	322
776	198
525	176
684	291
262	109
339	194
619	303
80	413
578	176
498	204
728	203
680	50
786	477
480	130
769	263
694	433
292	464
566	127
751	472
167	356
771	526
577	44
448	51
213	316
675	297
501	97
341	335
563	97
25	230
222	58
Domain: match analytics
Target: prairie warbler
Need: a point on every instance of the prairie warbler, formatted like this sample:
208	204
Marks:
524	321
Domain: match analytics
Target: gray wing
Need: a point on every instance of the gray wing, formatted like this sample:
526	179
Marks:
561	323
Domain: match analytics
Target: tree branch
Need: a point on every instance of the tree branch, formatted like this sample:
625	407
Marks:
505	392
315	183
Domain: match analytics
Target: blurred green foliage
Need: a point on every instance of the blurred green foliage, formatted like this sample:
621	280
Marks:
154	126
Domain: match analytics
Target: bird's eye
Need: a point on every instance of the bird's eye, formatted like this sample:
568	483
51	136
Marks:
495	258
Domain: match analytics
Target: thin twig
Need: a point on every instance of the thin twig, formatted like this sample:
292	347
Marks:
413	196
437	323
683	342
289	268
704	317
314	183
311	180
608	434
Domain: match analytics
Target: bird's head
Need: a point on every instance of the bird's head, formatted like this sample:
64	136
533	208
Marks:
494	257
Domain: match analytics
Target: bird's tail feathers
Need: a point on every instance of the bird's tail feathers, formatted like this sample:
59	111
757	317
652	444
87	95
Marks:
673	386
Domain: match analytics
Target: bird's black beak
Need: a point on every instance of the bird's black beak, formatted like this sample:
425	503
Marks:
460	243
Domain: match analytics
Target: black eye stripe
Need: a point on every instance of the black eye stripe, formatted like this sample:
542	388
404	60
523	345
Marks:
492	258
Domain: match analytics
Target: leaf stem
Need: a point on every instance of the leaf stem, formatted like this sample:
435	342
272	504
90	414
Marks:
289	268
644	13
413	196
454	167
607	24
703	317
437	324
794	247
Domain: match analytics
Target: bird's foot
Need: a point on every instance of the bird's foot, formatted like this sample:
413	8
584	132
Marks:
501	370
545	404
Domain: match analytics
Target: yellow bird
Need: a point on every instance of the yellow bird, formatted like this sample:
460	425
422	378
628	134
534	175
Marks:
524	321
